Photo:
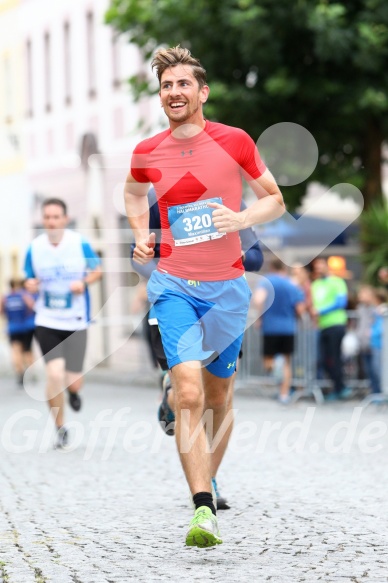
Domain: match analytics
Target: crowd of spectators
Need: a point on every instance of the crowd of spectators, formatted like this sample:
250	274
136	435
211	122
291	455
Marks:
343	328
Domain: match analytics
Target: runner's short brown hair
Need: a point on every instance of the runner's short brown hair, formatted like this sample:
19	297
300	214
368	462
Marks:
56	201
166	58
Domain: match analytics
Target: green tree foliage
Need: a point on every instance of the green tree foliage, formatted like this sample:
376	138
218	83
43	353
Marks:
319	63
374	236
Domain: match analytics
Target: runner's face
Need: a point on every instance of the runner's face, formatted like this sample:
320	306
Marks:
180	95
54	219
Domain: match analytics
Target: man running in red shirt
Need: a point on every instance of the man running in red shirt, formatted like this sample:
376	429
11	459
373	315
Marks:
199	291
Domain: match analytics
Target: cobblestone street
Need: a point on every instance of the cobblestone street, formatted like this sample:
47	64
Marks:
307	486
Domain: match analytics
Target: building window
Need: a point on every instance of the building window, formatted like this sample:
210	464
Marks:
47	71
91	54
115	49
32	146
88	148
50	142
2	282
7	90
30	104
67	62
118	123
15	271
70	139
8	101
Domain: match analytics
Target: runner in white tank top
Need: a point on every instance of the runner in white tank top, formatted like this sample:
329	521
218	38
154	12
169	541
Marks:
59	266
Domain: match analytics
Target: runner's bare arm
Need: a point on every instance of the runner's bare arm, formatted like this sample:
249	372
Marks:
93	275
78	287
269	206
300	309
29	301
258	299
138	215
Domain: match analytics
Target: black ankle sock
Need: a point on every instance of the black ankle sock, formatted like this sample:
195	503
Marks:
204	499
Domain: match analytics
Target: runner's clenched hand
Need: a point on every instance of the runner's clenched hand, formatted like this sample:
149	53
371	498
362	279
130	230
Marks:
225	220
145	250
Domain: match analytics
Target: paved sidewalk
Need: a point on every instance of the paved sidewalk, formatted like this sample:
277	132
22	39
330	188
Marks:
115	509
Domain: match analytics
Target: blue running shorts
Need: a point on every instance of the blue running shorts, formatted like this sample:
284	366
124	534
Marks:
201	320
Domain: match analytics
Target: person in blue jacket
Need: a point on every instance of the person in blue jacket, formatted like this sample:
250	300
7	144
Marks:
252	257
376	336
17	307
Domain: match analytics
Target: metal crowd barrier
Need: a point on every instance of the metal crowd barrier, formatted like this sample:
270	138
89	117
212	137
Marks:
307	379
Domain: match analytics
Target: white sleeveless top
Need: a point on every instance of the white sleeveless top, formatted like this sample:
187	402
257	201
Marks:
56	266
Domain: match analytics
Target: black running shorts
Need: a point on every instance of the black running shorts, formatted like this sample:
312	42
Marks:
278	344
63	344
157	346
24	338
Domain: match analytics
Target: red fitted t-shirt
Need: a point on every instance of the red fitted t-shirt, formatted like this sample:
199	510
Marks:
209	165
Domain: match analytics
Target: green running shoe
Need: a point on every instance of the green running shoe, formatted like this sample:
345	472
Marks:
203	530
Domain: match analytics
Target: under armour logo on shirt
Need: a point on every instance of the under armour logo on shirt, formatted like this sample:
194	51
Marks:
189	152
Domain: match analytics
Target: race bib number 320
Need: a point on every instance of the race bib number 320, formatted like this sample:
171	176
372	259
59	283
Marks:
192	223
